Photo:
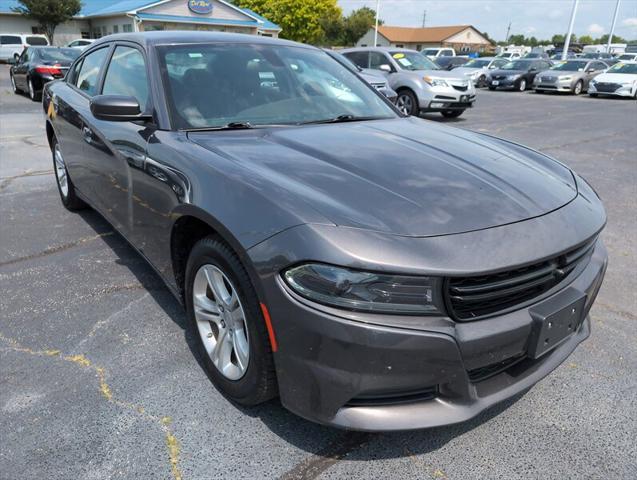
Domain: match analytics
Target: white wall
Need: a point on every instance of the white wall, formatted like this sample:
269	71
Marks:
64	33
368	40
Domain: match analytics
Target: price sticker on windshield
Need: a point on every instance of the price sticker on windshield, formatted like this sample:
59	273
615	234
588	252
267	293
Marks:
398	56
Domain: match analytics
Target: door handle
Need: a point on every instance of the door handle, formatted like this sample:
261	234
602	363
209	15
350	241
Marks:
87	134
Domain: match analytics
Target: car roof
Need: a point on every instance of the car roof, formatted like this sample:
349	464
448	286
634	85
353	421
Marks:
149	39
378	49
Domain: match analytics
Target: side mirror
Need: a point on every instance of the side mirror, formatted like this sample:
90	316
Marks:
385	68
590	70
116	108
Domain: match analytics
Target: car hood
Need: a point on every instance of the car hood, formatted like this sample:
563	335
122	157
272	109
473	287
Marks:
467	70
402	176
616	77
450	74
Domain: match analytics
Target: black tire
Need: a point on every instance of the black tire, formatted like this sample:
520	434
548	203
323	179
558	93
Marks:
452	113
407	96
594	95
491	88
539	91
578	87
34	94
70	201
482	81
258	384
14	86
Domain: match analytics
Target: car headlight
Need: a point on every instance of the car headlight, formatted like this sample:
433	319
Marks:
566	78
512	77
626	84
435	82
365	291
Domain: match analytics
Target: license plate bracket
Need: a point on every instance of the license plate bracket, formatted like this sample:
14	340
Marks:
555	320
495	82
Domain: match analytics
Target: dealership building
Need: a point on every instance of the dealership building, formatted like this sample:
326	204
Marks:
462	38
104	17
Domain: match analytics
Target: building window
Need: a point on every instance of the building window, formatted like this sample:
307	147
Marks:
419	47
400	46
127	28
86	34
115	28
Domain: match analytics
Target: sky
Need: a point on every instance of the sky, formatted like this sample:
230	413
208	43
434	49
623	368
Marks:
539	18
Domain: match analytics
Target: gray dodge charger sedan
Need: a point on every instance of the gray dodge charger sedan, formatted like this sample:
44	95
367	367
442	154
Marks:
374	271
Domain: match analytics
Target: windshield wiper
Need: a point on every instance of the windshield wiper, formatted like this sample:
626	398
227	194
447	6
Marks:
341	119
227	126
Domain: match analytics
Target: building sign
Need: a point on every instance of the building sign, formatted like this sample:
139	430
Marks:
202	7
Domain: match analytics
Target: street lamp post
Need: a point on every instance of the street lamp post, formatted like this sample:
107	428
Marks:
567	40
376	28
612	28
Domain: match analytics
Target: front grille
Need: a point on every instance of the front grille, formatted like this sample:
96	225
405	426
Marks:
469	298
498	77
607	87
393	398
488	371
548	79
462	89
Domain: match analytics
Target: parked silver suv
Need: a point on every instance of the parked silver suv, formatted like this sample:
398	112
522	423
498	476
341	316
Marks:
421	85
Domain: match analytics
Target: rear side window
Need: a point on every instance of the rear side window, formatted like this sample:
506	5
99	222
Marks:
10	40
89	72
126	75
359	58
37	41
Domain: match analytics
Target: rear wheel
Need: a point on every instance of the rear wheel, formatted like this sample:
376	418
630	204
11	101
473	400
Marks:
407	102
452	113
482	81
577	89
34	94
224	316
65	186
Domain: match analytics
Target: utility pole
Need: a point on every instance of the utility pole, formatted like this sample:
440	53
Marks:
424	18
508	32
567	40
376	28
612	28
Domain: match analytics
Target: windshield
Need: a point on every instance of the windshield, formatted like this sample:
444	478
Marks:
213	85
505	55
570	66
59	54
429	51
476	63
516	65
413	61
590	55
623	68
626	57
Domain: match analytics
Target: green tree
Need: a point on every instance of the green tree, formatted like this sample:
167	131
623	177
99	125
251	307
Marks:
357	23
49	13
532	42
586	40
517	39
301	20
557	39
604	39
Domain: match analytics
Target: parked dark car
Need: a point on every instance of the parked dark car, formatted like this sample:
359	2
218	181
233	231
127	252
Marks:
375	271
607	58
517	74
38	65
449	63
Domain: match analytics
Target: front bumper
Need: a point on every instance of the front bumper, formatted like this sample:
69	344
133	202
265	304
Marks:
565	86
343	371
440	99
623	91
502	83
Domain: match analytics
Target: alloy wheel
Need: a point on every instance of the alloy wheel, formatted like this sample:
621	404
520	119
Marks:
221	321
60	171
578	88
31	90
405	104
522	85
13	85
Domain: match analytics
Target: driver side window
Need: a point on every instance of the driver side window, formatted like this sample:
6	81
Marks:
376	59
126	75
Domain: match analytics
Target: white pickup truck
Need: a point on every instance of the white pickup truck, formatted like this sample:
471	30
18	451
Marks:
438	52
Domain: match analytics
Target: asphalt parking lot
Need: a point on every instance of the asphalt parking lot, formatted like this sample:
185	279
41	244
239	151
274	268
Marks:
98	380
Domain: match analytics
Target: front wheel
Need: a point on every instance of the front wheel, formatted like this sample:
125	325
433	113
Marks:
15	88
452	113
482	81
407	102
225	317
69	198
522	85
577	89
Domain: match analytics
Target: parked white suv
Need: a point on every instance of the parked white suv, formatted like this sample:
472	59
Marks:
80	43
12	44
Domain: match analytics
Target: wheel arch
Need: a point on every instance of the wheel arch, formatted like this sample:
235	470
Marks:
191	225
